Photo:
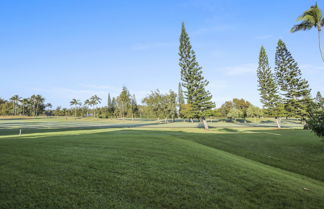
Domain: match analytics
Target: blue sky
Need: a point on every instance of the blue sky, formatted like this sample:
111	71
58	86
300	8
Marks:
66	49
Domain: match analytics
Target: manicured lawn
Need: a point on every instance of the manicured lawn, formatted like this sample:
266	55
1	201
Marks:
162	168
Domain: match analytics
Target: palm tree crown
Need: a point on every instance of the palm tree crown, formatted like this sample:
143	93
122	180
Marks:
309	19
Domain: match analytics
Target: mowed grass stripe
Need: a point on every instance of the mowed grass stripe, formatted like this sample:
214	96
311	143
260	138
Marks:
147	169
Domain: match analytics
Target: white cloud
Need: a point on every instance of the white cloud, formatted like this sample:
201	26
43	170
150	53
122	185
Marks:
241	69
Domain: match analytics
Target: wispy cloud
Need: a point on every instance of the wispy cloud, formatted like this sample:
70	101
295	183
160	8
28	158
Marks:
151	45
241	69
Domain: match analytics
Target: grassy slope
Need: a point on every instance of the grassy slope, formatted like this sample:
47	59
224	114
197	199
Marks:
298	151
142	169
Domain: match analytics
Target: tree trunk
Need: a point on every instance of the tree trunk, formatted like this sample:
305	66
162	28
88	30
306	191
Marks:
205	123
319	44
278	121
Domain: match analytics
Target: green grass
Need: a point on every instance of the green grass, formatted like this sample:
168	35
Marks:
162	168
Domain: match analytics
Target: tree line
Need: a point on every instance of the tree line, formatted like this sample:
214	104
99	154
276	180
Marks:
284	93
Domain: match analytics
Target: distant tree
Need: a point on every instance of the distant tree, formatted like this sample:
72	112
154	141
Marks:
94	101
87	103
161	105
226	107
171	106
235	113
295	89
254	112
15	100
268	88
24	103
134	106
242	105
311	18
191	75
37	102
186	111
109	105
319	100
181	99
124	102
75	103
113	105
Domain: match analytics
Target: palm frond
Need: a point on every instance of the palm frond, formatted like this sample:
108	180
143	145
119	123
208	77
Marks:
313	15
302	26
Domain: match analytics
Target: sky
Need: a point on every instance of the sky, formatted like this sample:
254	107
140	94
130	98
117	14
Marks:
66	49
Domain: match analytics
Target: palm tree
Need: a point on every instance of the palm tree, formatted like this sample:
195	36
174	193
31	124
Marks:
37	101
24	103
309	19
75	102
95	100
87	103
15	99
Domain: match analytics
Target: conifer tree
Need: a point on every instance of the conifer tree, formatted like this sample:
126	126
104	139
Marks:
193	81
294	88
109	101
319	100
268	88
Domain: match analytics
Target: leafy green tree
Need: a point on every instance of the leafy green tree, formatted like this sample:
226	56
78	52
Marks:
124	102
235	113
316	122
171	105
268	88
311	18
193	81
161	105
134	106
295	89
242	105
226	107
186	111
254	112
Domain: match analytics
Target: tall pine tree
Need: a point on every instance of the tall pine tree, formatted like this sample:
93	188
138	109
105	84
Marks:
191	75
295	89
268	88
